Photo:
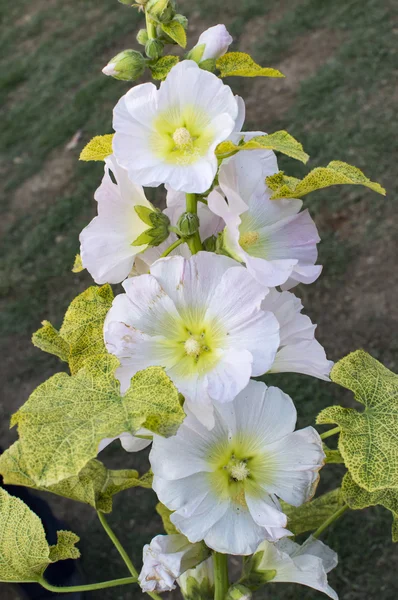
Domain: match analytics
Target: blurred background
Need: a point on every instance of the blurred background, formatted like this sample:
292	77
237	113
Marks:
338	99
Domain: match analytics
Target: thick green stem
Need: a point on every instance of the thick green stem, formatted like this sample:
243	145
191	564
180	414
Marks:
171	247
221	580
150	27
122	551
194	243
327	434
330	520
87	588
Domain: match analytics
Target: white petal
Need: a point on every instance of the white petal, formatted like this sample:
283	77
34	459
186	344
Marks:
230	375
307	357
296	460
235	532
216	40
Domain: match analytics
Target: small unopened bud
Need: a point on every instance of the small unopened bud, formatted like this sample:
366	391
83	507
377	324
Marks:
154	49
158	230
181	20
238	592
142	37
209	244
161	11
127	65
188	224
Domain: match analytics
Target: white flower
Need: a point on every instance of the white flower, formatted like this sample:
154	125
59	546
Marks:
165	559
168	135
200	319
216	41
223	483
106	243
307	564
129	442
299	351
275	241
198	582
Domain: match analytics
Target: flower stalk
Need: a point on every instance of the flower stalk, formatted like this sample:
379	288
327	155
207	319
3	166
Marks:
330	520
194	242
221	578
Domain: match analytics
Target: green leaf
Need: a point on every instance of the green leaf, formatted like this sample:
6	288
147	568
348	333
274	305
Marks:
280	141
24	551
332	456
83	324
77	265
358	498
94	484
165	513
335	173
163	66
98	148
65	547
176	31
368	440
311	515
64	420
48	339
240	64
196	53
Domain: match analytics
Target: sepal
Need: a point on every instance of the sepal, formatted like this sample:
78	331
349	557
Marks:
128	65
158	231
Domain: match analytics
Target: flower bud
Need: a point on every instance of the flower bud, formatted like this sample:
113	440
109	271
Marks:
188	224
142	37
181	20
127	65
154	49
158	230
161	11
198	582
212	43
238	592
210	244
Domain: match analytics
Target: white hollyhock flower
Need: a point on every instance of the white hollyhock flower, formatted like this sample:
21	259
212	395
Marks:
168	135
223	484
273	238
198	582
307	564
106	243
215	42
299	351
200	319
165	559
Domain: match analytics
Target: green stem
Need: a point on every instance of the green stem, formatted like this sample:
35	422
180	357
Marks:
221	580
87	588
122	551
194	243
150	27
171	247
327	434
330	520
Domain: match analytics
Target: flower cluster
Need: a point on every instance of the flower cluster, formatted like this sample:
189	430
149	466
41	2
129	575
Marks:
201	300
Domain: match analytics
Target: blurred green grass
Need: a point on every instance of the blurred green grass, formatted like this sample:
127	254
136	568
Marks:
51	86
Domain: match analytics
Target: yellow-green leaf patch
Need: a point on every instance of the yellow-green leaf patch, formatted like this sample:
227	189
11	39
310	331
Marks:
48	339
240	64
332	456
94	484
280	141
24	551
335	173
77	265
358	498
83	324
163	66
176	31
98	148
66	417
311	515
368	440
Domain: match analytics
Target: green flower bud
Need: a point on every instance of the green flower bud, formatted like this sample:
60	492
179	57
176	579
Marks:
182	20
158	231
254	575
210	244
198	582
154	49
238	592
188	224
142	37
161	11
127	65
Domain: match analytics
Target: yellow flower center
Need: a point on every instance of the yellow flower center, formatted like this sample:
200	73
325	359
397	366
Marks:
238	469
182	138
249	238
